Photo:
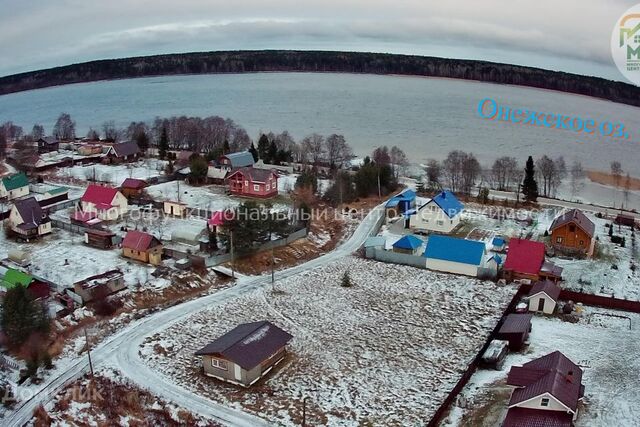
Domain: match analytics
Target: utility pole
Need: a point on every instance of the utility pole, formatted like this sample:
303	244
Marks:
233	270
304	411
379	193
273	274
88	351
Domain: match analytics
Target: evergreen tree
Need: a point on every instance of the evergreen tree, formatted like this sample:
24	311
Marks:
272	155
529	185
254	152
142	139
263	147
307	179
199	168
226	148
346	280
22	316
163	145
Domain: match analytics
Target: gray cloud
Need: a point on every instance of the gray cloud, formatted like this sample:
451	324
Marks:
571	35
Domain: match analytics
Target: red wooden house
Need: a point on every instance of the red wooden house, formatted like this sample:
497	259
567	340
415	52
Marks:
250	182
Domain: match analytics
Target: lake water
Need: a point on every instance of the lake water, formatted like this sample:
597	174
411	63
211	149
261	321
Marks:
424	116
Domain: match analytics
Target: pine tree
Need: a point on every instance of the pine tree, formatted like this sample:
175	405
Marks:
272	156
254	152
163	146
226	148
263	148
22	317
346	280
529	185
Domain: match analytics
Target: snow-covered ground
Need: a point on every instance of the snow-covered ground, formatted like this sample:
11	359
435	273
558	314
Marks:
64	259
385	351
286	183
604	347
115	174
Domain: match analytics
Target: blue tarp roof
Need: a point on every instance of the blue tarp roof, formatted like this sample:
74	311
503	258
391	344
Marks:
453	249
405	196
498	259
497	241
408	242
448	203
392	203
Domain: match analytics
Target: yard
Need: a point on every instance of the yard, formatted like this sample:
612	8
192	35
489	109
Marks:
112	174
600	342
385	351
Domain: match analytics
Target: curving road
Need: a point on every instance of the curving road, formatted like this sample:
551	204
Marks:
121	349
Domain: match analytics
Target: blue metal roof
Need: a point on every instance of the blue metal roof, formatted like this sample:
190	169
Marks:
408	194
497	241
405	196
392	203
498	259
448	202
453	249
240	159
408	242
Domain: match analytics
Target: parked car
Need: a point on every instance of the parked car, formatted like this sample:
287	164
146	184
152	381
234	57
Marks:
494	355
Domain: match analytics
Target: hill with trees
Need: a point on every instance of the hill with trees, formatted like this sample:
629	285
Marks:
320	61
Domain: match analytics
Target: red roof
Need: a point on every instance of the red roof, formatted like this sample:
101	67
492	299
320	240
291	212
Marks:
133	183
217	218
99	195
525	417
524	256
139	241
39	290
554	374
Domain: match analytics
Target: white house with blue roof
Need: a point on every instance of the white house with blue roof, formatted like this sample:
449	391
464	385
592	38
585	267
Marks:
440	214
453	255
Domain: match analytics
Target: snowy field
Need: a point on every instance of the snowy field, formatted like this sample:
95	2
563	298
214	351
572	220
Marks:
597	276
604	347
114	174
64	259
383	352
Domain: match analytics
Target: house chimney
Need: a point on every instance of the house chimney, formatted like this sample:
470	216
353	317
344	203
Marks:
570	377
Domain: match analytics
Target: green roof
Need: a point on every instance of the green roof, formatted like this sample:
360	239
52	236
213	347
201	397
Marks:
14	277
15	181
58	190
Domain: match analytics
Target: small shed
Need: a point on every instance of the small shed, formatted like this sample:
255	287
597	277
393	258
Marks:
246	353
625	219
142	247
102	239
543	297
100	285
409	244
498	244
175	208
515	329
132	187
189	234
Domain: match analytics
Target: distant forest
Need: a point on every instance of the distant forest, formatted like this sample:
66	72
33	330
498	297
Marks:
320	61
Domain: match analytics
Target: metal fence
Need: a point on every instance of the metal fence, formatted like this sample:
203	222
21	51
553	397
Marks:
396	258
73	228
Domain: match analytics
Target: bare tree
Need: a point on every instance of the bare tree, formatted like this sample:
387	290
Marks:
577	176
338	151
3	143
434	173
546	170
503	172
560	173
381	156
12	131
65	128
37	132
452	169
470	171
313	148
627	189
616	172
399	160
93	135
110	131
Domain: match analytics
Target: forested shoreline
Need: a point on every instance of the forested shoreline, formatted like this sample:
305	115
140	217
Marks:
320	61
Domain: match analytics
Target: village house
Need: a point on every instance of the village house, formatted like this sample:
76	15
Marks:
246	353
237	160
48	144
28	220
410	245
14	186
107	202
250	182
547	392
515	329
625	219
132	187
122	152
101	239
526	260
543	297
89	149
440	214
142	247
48	195
573	232
453	255
401	203
99	286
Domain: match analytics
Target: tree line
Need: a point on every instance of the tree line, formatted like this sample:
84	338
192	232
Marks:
321	61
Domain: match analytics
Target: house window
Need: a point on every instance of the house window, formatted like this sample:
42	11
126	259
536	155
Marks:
246	183
544	401
268	187
559	240
440	222
256	187
220	364
581	242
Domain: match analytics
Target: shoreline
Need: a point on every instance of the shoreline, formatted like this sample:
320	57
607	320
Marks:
608	180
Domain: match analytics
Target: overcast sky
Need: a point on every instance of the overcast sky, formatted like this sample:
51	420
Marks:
567	35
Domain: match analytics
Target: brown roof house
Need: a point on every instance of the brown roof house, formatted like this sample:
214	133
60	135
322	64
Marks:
246	353
132	187
544	297
28	220
122	152
142	247
547	392
573	232
515	329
